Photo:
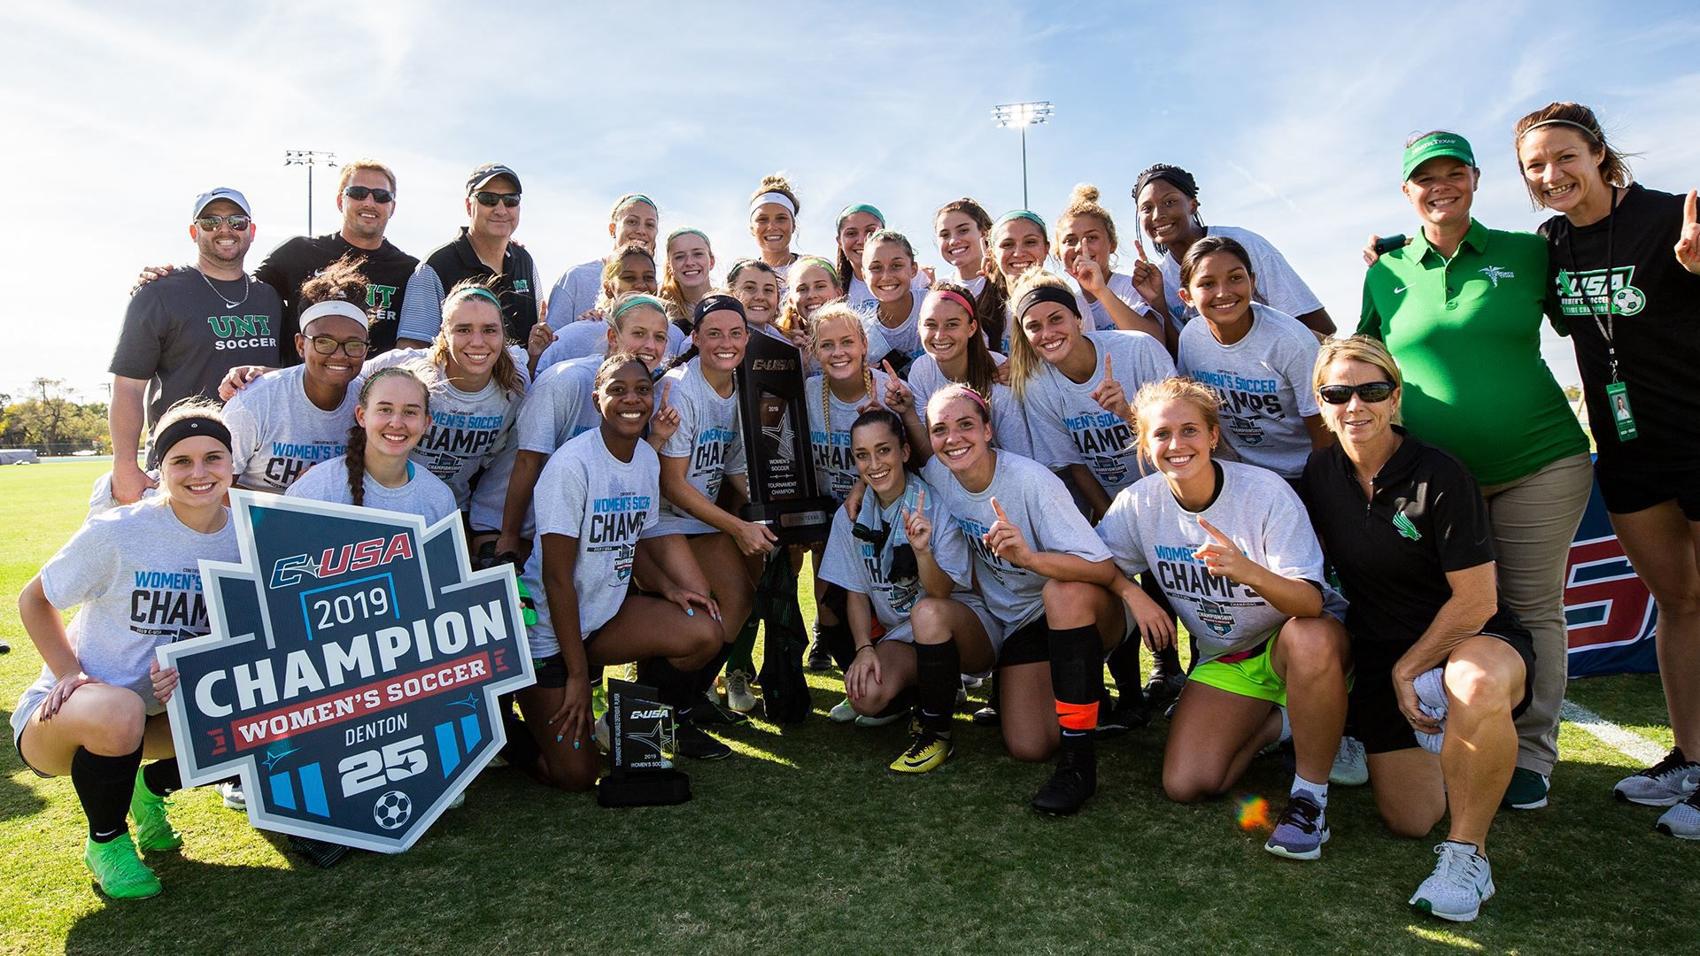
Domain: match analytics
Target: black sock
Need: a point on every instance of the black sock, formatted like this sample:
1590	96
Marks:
938	673
1124	668
703	677
104	785
1168	662
676	688
838	641
162	777
1077	681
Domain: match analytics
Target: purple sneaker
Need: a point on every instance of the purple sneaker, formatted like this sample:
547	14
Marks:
1300	831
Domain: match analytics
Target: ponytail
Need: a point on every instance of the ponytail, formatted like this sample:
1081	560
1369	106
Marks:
355	458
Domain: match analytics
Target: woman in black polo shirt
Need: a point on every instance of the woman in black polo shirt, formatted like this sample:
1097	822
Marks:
1405	527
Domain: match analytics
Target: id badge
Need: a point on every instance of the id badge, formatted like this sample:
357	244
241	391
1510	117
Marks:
1617	394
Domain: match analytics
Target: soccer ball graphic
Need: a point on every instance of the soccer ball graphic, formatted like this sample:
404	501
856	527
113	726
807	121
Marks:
393	809
1628	301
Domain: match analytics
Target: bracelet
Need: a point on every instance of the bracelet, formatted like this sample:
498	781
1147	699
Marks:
863	647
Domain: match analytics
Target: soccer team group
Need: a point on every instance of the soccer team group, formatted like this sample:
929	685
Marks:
1043	464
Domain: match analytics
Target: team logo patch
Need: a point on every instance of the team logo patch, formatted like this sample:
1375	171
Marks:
1216	617
1405	528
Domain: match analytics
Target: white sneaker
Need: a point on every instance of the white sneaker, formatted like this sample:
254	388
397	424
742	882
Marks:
738	696
864	720
842	712
1664	784
1351	766
1431	700
233	796
1683	820
1461	882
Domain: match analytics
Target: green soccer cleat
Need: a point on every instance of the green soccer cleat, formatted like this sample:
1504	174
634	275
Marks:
119	871
154	832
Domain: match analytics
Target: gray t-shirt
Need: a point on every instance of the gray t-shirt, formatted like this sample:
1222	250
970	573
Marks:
558	406
1277	284
1009	420
1148	530
708	437
606	504
1264	382
581	339
857	565
467	429
1121	286
134	577
423	494
1038	503
180	336
1069	427
575	293
277	433
904	338
835	468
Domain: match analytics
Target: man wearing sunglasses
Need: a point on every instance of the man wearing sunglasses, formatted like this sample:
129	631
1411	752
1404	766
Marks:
184	331
483	249
366	196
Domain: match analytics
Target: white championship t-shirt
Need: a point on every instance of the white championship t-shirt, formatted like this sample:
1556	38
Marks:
708	437
277	433
423	494
858	565
467	428
1264	383
1009	419
1069	427
835	468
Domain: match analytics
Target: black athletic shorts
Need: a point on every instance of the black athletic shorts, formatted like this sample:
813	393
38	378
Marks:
1373	709
1628	489
551	671
1030	644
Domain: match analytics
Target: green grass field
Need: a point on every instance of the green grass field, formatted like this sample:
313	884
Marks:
802	842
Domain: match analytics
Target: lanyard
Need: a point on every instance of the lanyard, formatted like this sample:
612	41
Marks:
1605	324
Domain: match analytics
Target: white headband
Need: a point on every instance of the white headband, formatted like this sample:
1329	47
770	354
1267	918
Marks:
333	307
778	199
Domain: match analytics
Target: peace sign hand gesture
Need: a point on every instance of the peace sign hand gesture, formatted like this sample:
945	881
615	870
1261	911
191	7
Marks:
665	421
1005	539
898	397
1688	243
1222	558
1110	396
916	525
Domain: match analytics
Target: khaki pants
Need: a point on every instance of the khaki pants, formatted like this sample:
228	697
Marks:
1534	521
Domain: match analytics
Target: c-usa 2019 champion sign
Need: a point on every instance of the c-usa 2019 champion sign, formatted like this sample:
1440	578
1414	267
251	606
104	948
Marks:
352	671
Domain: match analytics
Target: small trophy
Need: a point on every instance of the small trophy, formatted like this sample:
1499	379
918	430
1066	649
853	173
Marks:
776	444
640	732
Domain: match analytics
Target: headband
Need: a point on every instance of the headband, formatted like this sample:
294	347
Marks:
688	231
1026	214
716	302
632	302
857	207
476	290
630	198
956	297
957	388
1173	175
188	428
1047	293
831	269
778	199
1593	135
333	307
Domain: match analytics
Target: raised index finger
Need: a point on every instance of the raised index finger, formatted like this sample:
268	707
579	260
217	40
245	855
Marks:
1214	532
998	510
886	365
1109	371
1691	209
666	389
1139	246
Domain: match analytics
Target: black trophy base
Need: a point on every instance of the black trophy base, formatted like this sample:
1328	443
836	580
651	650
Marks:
644	788
802	521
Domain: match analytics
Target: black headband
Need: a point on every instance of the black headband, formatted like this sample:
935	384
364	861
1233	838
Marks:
1173	175
188	428
716	302
1047	293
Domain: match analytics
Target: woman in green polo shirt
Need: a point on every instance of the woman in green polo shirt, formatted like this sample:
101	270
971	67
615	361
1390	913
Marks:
1460	308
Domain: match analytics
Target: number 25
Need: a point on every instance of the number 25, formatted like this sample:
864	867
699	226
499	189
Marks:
369	769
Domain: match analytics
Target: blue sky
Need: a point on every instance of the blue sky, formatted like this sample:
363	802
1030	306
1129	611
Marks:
1291	117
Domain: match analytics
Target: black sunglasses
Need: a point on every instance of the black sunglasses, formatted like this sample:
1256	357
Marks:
1371	392
211	223
358	193
487	198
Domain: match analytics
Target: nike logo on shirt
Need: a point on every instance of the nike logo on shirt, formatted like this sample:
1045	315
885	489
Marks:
1399	289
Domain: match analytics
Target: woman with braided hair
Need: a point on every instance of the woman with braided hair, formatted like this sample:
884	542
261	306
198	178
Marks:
390	417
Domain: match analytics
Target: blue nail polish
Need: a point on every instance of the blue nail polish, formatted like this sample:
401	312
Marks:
690	612
559	737
575	745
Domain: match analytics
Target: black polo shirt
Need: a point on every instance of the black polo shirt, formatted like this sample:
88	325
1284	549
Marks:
515	286
1392	552
386	270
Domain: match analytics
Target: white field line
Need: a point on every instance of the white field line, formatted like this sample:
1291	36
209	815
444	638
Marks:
1627	742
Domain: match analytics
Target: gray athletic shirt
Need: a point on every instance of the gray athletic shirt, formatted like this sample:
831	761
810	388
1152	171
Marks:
1264	383
1070	428
1009	420
905	338
835	469
590	338
181	336
1038	503
277	433
575	293
708	437
134	577
1148	530
558	406
855	565
423	494
606	504
467	428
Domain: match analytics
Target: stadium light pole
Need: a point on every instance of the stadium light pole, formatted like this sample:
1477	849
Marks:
309	158
1020	116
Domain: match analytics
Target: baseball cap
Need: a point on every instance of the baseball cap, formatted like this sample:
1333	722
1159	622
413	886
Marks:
482	175
216	193
1434	145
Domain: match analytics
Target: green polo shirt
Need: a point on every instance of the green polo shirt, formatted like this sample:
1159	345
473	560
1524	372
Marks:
1466	335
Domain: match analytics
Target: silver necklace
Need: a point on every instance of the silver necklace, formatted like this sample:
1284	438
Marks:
247	287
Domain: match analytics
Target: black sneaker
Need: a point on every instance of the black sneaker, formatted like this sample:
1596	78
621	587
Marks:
690	741
1073	782
1127	714
1161	691
820	659
711	712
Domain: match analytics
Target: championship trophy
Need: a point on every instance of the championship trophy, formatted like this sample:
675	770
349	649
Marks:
776	444
640	731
